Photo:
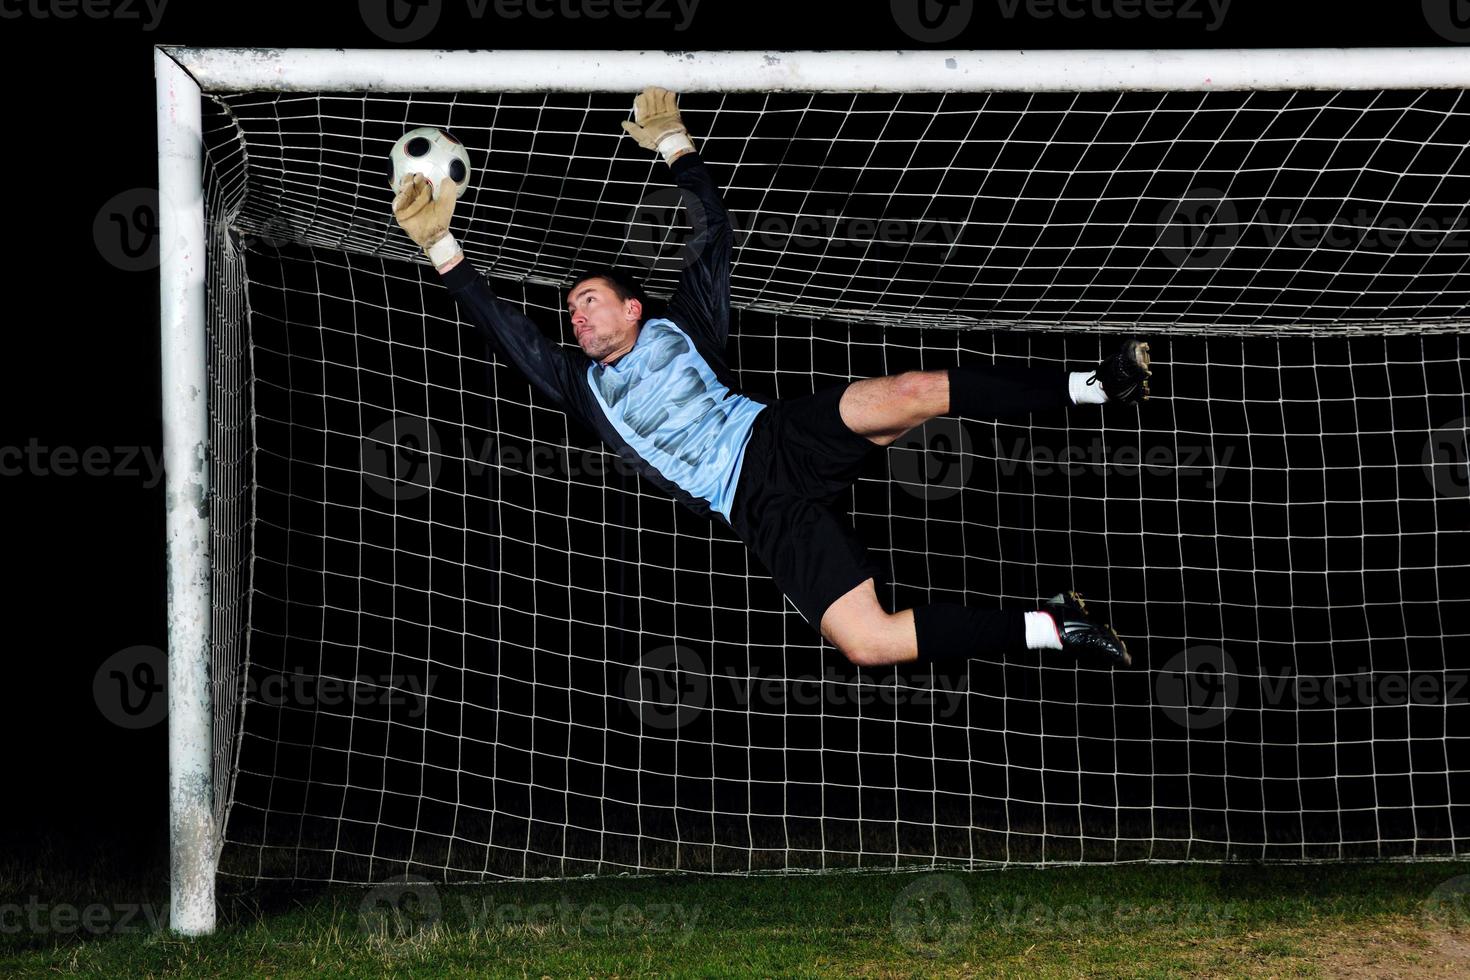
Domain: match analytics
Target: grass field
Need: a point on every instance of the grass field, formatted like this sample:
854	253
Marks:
1156	920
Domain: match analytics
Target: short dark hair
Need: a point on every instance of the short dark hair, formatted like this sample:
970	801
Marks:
624	285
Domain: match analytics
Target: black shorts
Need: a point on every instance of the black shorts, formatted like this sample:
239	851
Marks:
800	456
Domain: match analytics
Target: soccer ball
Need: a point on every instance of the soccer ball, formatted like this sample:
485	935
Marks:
433	153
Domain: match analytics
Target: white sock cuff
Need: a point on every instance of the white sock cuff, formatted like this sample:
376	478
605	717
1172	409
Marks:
442	251
673	143
1041	632
1083	393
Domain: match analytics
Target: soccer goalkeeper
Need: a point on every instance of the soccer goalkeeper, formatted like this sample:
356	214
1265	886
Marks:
657	391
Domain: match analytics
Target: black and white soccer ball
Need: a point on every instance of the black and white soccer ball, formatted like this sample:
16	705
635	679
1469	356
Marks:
433	153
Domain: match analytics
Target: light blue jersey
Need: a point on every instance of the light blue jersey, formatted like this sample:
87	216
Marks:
665	401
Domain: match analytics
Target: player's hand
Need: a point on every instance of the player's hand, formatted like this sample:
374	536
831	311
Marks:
657	124
422	214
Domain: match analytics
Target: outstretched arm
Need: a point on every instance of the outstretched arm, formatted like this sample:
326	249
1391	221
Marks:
506	329
702	299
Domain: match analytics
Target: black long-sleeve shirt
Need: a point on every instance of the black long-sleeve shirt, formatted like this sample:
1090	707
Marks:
670	406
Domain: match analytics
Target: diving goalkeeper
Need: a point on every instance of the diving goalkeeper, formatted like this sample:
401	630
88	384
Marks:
657	390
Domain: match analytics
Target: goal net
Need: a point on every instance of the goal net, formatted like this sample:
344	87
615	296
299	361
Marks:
449	635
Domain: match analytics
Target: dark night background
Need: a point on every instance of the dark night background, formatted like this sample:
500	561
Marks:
85	553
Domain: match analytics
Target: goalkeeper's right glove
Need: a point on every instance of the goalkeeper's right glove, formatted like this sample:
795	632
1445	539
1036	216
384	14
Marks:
425	217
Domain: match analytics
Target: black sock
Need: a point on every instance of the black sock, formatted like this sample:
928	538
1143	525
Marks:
948	632
990	392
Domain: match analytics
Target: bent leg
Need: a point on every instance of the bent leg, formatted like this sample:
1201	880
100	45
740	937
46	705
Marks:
883	409
869	636
866	633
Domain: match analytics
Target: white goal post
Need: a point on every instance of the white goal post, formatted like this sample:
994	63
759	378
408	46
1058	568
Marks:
198	763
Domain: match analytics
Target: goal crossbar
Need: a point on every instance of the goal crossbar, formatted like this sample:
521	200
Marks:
1220	70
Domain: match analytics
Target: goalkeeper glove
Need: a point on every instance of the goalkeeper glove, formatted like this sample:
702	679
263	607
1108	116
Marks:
658	126
425	216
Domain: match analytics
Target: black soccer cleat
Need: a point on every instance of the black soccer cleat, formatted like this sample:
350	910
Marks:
1082	636
1124	374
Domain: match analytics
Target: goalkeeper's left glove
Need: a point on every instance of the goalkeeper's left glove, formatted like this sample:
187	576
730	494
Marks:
425	217
658	126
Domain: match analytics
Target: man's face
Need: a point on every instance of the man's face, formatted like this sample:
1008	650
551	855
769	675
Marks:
603	323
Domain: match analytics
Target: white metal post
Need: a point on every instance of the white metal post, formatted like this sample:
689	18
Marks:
349	70
193	837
